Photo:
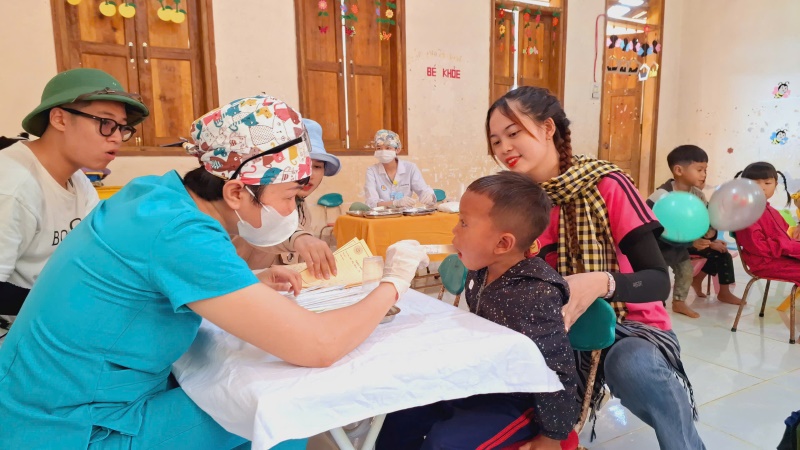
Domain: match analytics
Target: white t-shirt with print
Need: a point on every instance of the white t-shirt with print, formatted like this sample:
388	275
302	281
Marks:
36	213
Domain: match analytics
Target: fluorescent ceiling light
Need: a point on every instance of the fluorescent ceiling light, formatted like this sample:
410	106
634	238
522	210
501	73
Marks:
640	15
631	2
618	11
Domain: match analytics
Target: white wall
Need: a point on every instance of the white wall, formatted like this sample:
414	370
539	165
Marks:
27	52
731	55
582	110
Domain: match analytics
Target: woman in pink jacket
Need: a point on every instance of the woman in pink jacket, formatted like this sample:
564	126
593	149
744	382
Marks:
767	248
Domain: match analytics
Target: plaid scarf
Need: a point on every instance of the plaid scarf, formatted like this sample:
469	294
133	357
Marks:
578	185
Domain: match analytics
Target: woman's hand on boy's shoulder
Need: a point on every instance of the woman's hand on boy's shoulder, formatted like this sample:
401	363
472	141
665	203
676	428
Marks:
584	289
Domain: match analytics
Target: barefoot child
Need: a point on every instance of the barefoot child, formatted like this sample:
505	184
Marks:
689	165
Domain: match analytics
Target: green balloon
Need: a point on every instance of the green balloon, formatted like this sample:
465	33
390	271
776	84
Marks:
683	216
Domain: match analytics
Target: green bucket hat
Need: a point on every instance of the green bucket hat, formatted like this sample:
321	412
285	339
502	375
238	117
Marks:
82	85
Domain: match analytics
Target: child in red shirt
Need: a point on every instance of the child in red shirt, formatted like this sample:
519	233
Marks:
767	248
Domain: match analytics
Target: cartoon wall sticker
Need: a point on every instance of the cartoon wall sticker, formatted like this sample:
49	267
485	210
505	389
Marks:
780	136
781	90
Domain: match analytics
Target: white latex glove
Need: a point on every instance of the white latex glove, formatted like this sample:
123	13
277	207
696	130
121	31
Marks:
405	202
428	198
402	261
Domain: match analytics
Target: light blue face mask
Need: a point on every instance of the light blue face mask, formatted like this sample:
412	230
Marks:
274	228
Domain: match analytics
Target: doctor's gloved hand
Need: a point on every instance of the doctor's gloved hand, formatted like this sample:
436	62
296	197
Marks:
402	261
428	198
405	202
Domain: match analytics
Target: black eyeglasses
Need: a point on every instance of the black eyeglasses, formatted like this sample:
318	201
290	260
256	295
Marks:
107	126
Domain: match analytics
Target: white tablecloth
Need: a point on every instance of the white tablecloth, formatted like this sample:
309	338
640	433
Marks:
431	351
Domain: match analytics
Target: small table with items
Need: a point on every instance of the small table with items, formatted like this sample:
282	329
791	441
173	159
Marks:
429	352
379	233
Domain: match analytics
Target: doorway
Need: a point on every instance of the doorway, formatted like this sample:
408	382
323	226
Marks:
629	105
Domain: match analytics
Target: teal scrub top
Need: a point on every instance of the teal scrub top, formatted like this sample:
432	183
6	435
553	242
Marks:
107	317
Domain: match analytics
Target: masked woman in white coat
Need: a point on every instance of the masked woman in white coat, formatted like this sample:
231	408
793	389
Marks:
391	182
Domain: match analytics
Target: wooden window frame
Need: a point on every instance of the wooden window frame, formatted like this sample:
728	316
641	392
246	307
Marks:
562	40
398	95
208	63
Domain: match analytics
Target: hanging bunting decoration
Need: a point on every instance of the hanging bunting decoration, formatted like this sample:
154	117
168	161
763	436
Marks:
528	31
386	19
127	9
349	16
556	19
322	6
108	8
513	20
501	26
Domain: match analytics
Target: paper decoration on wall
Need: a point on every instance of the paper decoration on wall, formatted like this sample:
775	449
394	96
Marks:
386	19
611	65
172	13
127	9
73	2
781	90
779	137
654	70
107	8
644	72
350	16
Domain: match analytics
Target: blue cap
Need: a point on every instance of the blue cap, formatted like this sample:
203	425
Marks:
318	152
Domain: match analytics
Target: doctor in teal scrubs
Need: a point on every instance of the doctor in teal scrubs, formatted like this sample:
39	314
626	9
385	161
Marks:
87	362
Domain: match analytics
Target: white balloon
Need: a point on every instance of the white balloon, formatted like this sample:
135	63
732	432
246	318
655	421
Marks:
736	205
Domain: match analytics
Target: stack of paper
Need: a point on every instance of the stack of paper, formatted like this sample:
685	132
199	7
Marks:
349	266
325	298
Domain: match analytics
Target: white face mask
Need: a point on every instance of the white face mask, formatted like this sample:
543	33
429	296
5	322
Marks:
385	156
274	228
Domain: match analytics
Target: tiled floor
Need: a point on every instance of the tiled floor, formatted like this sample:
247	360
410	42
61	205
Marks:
746	383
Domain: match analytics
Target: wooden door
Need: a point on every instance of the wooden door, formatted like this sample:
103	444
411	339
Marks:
170	73
537	57
502	62
321	61
621	127
542	68
370	81
93	40
352	84
170	63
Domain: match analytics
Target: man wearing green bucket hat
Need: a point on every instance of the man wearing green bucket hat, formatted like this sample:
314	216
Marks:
83	118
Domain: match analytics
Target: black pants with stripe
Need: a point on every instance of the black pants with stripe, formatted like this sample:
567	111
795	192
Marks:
480	422
717	263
